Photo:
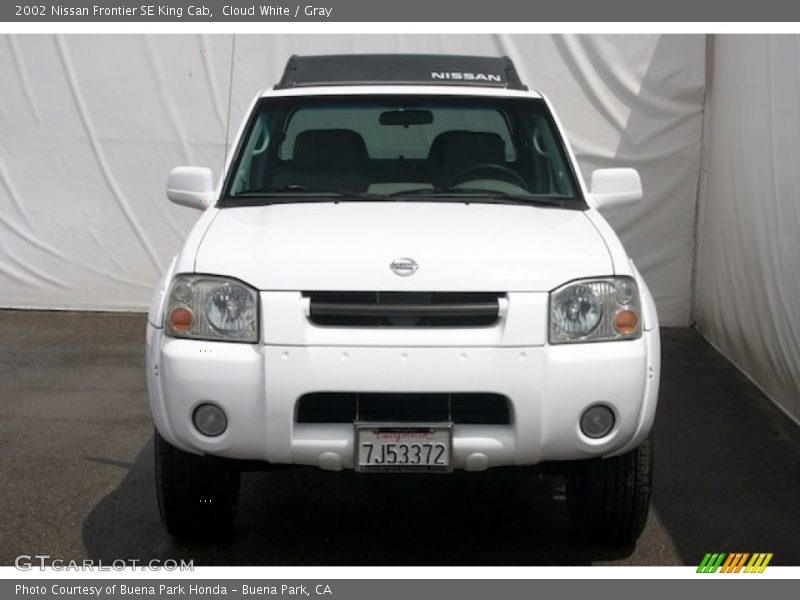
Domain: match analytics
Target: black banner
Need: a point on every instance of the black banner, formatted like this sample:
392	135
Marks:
142	11
731	588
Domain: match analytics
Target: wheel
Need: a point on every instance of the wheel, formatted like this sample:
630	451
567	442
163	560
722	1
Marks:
197	495
509	174
608	500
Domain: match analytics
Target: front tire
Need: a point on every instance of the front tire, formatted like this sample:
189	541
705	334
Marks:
197	495
608	500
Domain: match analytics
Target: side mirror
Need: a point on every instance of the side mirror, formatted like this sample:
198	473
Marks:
191	186
616	187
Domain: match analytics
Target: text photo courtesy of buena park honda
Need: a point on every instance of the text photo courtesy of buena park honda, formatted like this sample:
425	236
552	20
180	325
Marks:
399	300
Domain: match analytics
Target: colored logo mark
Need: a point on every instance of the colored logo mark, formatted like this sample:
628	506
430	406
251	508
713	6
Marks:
734	562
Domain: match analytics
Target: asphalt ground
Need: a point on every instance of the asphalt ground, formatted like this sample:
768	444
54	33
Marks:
76	474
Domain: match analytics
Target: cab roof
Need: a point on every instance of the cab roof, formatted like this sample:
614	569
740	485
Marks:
497	72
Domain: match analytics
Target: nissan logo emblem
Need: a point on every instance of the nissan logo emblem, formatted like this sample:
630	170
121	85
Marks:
404	266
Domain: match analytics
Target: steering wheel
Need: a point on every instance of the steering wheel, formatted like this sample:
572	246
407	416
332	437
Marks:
516	178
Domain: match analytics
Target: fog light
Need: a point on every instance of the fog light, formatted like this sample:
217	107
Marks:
597	421
210	420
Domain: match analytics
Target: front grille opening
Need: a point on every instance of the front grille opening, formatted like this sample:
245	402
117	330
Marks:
460	408
404	309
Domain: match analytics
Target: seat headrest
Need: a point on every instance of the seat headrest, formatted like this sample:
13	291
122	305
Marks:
322	149
456	150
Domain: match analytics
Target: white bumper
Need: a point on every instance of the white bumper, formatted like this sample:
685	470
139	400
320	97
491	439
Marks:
548	387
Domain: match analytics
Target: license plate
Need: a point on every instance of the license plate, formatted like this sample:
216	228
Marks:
399	449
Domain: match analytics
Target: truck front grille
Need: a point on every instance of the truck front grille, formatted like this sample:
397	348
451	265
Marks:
404	309
349	407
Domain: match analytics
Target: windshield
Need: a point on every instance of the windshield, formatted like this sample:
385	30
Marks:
396	147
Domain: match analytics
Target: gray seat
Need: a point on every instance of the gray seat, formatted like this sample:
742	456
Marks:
454	151
333	158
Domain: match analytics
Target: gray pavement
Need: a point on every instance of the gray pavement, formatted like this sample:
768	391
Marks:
77	473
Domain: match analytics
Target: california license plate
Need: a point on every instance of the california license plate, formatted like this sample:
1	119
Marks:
398	449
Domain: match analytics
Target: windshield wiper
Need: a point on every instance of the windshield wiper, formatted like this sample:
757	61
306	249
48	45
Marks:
269	193
462	194
452	194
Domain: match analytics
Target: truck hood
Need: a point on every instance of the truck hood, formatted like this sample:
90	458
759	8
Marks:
350	246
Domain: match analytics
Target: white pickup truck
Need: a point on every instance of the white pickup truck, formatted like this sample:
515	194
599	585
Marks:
402	270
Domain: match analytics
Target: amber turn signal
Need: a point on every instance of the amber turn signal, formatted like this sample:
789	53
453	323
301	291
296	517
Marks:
626	321
180	319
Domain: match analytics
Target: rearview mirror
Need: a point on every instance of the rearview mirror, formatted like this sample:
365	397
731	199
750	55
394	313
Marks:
191	186
616	187
406	117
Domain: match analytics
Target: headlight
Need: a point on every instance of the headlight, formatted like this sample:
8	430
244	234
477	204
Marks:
595	310
206	307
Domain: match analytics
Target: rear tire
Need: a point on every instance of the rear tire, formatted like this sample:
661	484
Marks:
197	495
608	500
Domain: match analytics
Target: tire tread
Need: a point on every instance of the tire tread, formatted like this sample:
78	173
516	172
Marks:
608	500
197	495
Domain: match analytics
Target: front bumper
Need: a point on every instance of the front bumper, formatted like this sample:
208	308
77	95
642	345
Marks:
548	388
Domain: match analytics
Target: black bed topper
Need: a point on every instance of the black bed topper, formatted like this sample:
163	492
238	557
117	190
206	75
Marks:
400	69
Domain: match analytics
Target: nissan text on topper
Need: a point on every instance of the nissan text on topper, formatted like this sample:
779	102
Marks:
402	270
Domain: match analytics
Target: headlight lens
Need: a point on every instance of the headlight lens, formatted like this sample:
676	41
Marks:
207	307
230	309
577	310
594	310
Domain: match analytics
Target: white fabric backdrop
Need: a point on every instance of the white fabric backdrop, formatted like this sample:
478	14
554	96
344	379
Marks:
90	126
748	270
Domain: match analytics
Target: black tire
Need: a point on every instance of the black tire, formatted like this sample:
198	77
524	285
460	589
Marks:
197	495
608	500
